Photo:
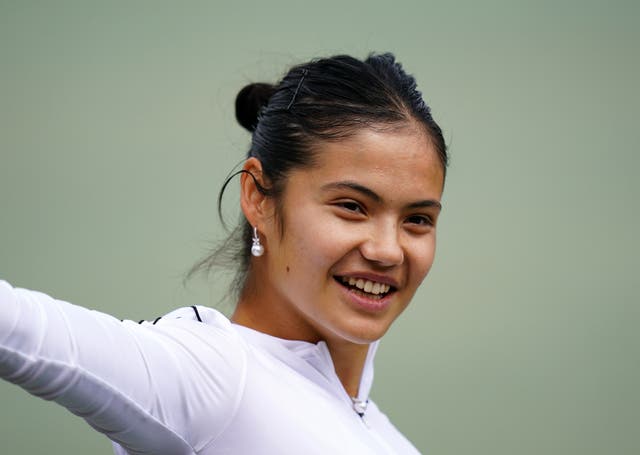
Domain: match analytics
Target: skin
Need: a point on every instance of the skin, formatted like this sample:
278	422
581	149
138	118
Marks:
366	209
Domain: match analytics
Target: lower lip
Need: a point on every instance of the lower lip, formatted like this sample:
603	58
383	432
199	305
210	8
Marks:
365	303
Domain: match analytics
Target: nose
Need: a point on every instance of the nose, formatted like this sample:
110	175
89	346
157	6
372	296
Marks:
383	246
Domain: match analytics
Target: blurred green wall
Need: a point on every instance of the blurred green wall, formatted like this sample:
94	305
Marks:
117	128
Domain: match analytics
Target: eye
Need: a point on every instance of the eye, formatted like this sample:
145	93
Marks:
351	206
420	220
350	209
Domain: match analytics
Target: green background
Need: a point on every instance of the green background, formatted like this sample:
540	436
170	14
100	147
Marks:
117	128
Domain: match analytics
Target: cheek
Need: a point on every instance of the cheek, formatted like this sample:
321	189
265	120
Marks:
422	258
310	248
321	240
327	248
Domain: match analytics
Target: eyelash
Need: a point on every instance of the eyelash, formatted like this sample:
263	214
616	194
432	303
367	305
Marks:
351	206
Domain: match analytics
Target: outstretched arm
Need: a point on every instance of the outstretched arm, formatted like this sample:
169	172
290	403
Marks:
165	388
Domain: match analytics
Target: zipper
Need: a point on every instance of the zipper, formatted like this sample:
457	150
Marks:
357	405
360	407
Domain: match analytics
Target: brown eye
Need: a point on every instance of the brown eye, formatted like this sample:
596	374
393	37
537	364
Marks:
351	206
420	220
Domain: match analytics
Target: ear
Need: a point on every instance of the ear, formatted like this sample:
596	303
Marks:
254	204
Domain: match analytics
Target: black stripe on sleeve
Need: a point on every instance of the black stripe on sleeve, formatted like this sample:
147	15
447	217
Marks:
157	319
196	311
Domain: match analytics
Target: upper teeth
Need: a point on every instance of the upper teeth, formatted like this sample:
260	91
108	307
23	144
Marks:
371	287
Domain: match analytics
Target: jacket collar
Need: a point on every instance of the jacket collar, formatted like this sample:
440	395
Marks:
312	360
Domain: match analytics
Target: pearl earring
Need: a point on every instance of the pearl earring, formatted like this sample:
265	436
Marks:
256	249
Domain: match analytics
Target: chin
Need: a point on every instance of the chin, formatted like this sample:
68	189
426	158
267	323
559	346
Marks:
364	332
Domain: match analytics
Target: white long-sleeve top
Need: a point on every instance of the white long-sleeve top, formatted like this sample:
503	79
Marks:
190	382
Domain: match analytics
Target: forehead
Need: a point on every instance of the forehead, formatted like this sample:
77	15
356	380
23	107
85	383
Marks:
399	160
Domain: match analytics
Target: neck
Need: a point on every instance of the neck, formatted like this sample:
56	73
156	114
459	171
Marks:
348	361
268	317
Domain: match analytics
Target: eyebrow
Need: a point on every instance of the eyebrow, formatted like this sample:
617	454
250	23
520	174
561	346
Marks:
375	196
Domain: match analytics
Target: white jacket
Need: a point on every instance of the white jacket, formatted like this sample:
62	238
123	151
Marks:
190	382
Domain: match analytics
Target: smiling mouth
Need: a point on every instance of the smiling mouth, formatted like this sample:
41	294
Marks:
365	288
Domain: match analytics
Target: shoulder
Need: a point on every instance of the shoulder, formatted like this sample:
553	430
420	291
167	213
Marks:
195	313
207	359
200	330
195	318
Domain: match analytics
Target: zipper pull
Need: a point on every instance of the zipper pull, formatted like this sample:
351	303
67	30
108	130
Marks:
360	407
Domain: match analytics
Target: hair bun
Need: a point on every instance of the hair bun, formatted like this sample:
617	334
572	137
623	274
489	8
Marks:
249	101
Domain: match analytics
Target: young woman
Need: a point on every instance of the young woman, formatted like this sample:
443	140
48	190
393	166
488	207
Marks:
340	194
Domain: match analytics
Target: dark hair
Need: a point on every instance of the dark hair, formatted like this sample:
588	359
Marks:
322	100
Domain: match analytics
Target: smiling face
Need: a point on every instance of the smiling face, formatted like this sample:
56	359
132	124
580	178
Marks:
358	237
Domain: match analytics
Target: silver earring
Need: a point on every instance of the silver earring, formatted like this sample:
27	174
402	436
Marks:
256	249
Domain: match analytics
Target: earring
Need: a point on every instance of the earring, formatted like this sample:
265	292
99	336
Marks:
256	249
